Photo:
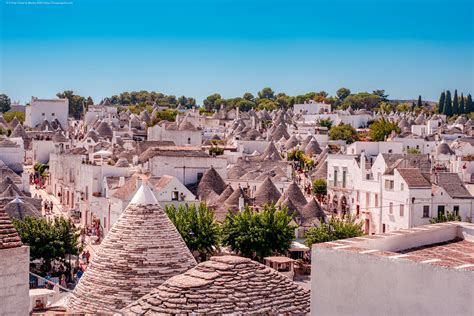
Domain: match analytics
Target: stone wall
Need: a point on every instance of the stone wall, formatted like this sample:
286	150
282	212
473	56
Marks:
14	281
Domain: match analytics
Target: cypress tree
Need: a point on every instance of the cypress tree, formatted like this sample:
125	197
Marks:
462	105
448	105
419	104
456	102
442	98
469	105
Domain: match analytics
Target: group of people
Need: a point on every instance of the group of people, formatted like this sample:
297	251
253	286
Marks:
48	207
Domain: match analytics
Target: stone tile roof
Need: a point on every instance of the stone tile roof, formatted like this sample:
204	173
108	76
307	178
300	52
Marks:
311	214
210	181
20	209
9	237
414	178
313	148
172	152
271	153
293	192
453	185
267	192
223	286
141	251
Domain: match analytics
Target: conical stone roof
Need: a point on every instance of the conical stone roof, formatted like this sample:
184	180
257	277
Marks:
210	181
11	191
312	148
267	193
271	153
9	237
19	131
226	285
312	214
141	251
19	209
293	192
104	130
291	143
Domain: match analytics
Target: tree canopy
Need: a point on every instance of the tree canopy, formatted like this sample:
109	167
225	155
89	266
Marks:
333	230
5	103
197	226
48	240
343	132
380	129
76	103
259	234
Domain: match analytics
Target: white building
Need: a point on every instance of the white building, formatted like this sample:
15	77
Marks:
312	107
184	134
420	271
47	109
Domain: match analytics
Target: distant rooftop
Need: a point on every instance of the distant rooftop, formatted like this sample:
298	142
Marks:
449	245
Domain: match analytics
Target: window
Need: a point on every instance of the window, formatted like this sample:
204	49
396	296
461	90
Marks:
402	210
389	184
335	177
189	140
357	196
344	172
440	211
402	186
199	175
357	211
367	199
383	228
42	114
174	195
52	114
456	210
390	208
426	211
376	200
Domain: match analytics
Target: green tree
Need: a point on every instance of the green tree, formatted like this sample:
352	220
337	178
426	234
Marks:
325	123
469	104
449	217
335	229
320	188
259	234
462	104
362	100
456	103
89	101
380	129
5	103
210	102
248	96
49	240
413	151
404	107
343	93
381	94
385	107
76	103
9	116
448	105
197	226
442	100
419	103
343	132
266	93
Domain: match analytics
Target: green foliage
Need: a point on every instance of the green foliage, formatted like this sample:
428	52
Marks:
381	94
76	103
442	100
151	97
448	104
381	128
469	104
260	234
47	240
210	102
325	123
299	155
419	102
333	230
413	151
320	187
449	217
462	104
343	93
197	226
404	107
9	116
362	100
215	150
164	115
343	132
456	103
266	93
41	168
385	107
5	103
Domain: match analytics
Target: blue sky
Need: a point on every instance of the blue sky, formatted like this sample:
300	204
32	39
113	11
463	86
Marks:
196	48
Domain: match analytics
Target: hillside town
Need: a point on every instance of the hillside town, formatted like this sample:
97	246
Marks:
143	208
